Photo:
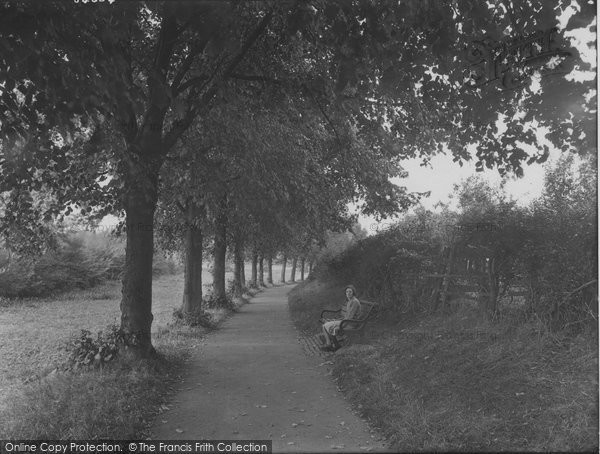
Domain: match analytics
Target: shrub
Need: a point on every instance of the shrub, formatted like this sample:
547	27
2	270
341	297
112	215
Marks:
545	253
196	318
80	260
86	350
225	302
163	265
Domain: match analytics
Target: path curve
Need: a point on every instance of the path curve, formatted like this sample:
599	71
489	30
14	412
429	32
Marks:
251	380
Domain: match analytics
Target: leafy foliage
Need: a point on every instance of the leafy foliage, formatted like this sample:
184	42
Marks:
544	253
195	318
79	260
85	350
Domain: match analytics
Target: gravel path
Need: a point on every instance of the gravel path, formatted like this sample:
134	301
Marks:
257	378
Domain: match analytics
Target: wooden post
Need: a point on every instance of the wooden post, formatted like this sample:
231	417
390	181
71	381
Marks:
446	278
493	288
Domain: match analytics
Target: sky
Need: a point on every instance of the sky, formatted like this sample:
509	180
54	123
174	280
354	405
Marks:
442	174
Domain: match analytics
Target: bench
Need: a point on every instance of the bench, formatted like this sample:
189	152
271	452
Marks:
352	328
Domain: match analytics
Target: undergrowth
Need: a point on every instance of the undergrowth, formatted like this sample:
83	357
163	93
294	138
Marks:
97	394
459	382
116	401
80	260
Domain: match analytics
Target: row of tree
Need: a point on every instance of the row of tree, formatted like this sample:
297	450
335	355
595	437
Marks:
255	122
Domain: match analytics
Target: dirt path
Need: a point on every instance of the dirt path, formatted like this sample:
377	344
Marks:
251	380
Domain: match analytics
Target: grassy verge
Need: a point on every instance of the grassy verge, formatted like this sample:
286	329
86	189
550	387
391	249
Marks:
455	382
118	401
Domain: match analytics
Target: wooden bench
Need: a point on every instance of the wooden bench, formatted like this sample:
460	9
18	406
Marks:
350	329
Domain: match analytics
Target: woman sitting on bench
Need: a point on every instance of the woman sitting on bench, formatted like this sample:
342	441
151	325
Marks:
331	328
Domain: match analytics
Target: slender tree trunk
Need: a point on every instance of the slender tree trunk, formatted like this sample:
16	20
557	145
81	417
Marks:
261	271
294	263
243	269
270	270
254	278
302	263
310	265
141	193
192	284
238	273
219	252
283	269
446	279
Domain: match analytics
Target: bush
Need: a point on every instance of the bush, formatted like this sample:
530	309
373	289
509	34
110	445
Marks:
383	267
225	302
85	350
163	265
80	260
196	318
544	253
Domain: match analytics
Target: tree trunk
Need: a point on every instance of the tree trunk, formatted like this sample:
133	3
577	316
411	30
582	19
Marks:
261	271
302	263
446	279
254	278
270	270
141	164
192	284
141	192
310	265
294	263
219	253
283	269
243	269
238	273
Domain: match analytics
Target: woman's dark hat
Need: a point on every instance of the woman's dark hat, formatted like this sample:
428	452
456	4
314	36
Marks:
351	287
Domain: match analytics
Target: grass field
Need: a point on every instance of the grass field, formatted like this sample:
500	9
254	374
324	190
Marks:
33	334
456	382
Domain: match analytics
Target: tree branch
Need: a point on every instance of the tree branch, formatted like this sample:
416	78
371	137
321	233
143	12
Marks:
262	26
314	98
186	65
253	78
189	83
180	126
180	206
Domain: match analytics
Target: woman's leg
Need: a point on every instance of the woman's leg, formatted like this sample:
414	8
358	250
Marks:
329	329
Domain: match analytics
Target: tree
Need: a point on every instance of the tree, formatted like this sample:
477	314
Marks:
382	74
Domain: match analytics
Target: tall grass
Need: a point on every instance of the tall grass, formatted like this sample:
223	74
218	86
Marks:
457	382
118	400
